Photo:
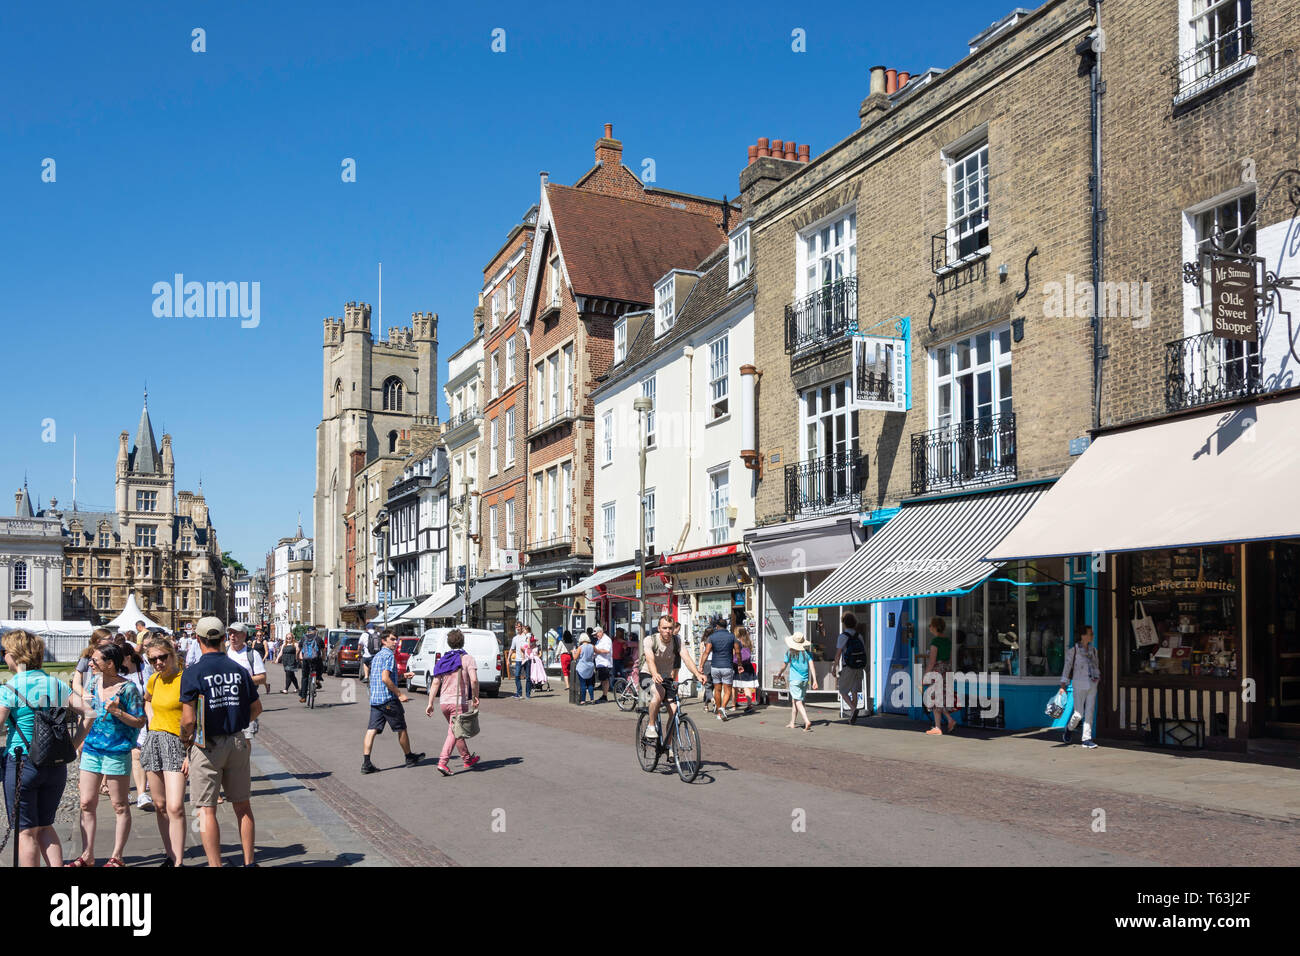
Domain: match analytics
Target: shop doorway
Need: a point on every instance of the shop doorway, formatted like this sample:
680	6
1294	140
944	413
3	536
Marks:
1278	586
896	654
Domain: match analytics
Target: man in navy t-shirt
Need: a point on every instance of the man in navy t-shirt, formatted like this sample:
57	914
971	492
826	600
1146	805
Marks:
218	700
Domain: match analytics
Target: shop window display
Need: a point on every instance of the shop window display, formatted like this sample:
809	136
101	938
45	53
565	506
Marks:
1190	596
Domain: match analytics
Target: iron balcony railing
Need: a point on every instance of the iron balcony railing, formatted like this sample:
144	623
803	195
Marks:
556	541
457	573
1202	369
823	317
566	410
826	485
977	452
1221	55
460	418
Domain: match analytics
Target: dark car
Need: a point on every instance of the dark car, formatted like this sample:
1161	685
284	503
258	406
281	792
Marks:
406	646
345	657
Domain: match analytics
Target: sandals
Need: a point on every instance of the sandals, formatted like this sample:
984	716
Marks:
114	863
78	863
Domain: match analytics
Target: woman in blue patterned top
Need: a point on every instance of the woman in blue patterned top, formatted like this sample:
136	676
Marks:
106	751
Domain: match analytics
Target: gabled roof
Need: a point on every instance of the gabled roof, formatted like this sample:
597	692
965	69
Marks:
618	248
90	520
708	298
144	456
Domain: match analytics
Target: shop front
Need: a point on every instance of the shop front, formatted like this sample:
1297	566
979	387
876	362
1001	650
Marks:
1193	521
788	561
615	602
711	582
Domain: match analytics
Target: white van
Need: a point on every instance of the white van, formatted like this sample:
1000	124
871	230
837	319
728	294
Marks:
480	644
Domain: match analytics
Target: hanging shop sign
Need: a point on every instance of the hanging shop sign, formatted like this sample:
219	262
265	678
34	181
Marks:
881	370
717	579
1232	297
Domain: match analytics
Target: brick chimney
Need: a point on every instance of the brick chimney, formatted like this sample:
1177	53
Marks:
609	150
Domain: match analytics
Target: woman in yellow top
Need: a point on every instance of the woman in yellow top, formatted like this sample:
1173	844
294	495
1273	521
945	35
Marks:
163	756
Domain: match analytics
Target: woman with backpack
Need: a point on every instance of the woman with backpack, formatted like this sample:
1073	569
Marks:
799	659
40	789
288	659
455	687
118	712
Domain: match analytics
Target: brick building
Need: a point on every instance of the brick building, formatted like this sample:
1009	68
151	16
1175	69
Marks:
600	247
932	228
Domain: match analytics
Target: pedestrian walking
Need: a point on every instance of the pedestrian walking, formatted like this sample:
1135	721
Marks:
586	669
137	670
937	666
604	648
163	755
218	700
118	708
566	657
1082	666
33	792
247	657
369	645
288	659
799	661
850	664
386	704
519	658
455	688
312	654
746	670
619	644
721	650
81	674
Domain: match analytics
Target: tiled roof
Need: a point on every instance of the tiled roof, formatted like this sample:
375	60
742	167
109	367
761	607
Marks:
619	248
709	297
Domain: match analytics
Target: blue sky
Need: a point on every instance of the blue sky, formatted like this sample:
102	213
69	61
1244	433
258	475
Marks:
225	166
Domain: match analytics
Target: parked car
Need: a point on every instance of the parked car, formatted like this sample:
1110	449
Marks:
406	646
334	636
345	658
480	644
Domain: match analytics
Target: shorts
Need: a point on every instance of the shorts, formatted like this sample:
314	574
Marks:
798	689
110	765
222	766
850	680
602	673
390	713
162	752
722	675
666	689
42	789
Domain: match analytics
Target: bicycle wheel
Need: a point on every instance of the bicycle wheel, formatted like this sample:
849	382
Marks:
688	748
647	751
311	691
625	694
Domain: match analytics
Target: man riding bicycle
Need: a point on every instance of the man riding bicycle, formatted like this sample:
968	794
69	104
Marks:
662	653
312	654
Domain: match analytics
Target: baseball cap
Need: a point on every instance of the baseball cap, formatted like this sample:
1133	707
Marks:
210	627
241	628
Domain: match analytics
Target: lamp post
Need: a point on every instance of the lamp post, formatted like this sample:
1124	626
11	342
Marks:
465	503
381	528
643	406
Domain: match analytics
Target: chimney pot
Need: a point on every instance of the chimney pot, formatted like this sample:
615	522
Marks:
609	130
791	150
778	148
877	79
903	78
753	155
762	147
891	81
804	152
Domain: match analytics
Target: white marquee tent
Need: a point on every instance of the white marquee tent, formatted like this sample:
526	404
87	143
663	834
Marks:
130	614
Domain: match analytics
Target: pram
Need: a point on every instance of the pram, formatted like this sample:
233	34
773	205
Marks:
537	673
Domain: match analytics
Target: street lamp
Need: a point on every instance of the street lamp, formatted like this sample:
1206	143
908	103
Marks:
643	405
465	482
381	528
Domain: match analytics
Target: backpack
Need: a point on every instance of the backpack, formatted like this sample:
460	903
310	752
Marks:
310	648
374	644
855	652
53	733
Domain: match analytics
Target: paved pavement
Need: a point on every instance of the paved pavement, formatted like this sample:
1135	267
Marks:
561	784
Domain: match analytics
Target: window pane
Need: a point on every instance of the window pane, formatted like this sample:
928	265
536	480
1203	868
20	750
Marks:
962	349
1004	389
1004	342
943	360
968	641
983	354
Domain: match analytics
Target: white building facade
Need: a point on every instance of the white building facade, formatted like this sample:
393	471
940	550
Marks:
31	565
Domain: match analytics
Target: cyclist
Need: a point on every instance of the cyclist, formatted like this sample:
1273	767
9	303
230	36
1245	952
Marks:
662	652
312	654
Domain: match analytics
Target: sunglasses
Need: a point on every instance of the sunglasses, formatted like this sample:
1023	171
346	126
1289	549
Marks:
159	659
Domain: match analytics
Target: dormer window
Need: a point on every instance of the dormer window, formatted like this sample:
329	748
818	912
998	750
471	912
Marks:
738	254
664	305
620	340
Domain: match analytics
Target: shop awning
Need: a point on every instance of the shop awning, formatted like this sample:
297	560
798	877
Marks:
477	592
1219	477
391	614
433	602
592	580
929	548
815	544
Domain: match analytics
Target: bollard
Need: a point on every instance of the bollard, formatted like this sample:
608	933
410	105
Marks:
573	684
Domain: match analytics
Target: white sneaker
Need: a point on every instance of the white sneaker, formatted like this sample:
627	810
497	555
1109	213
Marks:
144	800
651	733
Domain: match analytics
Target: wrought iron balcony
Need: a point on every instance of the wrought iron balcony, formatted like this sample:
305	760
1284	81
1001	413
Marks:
823	317
457	573
1202	369
978	452
543	544
1220	57
461	418
566	410
826	485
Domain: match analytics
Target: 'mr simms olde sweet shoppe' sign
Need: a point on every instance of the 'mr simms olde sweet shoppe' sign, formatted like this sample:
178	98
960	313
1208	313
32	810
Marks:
1232	294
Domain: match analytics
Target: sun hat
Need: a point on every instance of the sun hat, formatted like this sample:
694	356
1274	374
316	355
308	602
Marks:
797	642
211	627
584	639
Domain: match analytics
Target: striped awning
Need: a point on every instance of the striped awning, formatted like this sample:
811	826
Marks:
928	549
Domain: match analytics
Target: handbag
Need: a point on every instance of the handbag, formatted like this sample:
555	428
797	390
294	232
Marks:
1144	628
464	724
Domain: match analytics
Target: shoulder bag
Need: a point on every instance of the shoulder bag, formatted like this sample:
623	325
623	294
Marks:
465	723
53	734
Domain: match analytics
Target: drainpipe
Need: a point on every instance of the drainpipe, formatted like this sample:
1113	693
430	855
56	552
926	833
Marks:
1096	44
689	352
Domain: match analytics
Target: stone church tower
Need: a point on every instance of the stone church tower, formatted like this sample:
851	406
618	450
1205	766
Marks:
372	395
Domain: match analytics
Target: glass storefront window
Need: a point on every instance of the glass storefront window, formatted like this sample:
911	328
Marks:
1044	654
1192	598
1004	628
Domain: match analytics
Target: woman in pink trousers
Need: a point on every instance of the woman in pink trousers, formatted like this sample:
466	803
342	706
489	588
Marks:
455	688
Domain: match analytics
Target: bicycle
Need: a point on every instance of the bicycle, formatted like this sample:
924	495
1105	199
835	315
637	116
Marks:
310	692
627	693
682	746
